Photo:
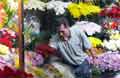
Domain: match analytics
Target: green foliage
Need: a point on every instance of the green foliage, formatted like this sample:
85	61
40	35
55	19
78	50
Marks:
96	73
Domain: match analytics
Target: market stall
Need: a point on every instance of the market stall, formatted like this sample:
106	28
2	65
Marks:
24	40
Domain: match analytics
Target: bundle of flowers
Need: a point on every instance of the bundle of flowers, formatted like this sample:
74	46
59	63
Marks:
113	45
63	70
113	12
8	58
58	6
8	72
52	72
8	9
76	10
3	14
35	4
33	59
115	35
13	4
107	61
38	72
45	50
47	71
111	25
89	27
7	37
95	41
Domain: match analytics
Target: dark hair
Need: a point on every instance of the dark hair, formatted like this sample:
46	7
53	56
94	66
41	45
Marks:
62	20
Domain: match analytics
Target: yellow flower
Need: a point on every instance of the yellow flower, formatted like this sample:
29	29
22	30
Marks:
26	2
14	27
85	9
39	72
115	36
95	41
74	10
4	49
3	18
16	61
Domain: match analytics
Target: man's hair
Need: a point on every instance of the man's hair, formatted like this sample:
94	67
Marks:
62	20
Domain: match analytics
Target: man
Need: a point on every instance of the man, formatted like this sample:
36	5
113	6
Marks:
71	42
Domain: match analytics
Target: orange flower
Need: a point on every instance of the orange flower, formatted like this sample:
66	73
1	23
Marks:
1	5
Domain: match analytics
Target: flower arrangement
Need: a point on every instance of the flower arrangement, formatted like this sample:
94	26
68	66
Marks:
8	72
58	6
95	41
7	37
112	12
35	4
76	10
111	25
108	61
45	50
34	59
3	14
89	27
5	56
8	10
114	34
37	71
112	44
13	4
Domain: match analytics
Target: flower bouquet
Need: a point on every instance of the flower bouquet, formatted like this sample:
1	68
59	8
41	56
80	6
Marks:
89	27
95	41
108	63
112	45
77	10
7	37
112	12
3	14
59	7
8	72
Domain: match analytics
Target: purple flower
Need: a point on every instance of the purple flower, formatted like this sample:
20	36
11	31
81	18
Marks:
37	59
108	61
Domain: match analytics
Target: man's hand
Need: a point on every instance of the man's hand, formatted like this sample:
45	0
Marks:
94	57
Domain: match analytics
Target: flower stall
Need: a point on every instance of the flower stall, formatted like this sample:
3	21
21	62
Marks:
99	21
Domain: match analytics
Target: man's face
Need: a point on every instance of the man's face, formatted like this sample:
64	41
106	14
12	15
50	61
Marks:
63	31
